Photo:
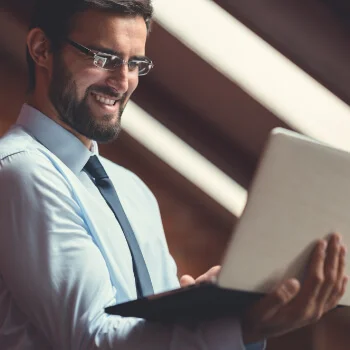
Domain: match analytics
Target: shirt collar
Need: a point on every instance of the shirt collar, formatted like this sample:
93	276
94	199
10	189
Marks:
63	144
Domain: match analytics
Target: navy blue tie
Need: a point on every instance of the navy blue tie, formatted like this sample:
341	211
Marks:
104	184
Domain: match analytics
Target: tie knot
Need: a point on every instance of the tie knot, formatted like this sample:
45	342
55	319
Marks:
95	168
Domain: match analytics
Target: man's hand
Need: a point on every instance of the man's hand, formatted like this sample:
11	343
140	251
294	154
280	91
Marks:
209	276
291	306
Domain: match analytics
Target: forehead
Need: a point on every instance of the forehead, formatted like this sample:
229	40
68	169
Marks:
110	30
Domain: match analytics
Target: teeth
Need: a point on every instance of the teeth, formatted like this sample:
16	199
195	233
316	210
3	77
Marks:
104	100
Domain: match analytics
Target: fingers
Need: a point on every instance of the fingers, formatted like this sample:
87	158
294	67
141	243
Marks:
291	306
333	301
333	270
340	284
210	275
186	281
314	277
325	281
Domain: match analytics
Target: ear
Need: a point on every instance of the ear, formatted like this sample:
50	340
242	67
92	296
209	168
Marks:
39	47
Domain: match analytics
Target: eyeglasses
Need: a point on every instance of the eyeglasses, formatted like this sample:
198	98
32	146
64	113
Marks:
110	62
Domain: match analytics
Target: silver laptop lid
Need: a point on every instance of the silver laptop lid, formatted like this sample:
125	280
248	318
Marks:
300	193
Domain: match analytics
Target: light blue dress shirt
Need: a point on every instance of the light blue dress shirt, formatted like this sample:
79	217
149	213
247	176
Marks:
64	258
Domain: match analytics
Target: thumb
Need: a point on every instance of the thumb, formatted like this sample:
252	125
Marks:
186	280
274	301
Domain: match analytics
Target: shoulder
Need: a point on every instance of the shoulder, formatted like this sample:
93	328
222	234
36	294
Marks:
17	140
22	153
25	167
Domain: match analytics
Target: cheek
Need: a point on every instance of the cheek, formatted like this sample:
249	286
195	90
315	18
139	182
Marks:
85	79
133	83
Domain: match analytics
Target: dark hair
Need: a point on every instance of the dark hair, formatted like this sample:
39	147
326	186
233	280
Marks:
54	17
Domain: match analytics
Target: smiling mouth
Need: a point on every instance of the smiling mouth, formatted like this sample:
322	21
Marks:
105	100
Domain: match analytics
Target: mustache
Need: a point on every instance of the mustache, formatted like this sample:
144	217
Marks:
105	90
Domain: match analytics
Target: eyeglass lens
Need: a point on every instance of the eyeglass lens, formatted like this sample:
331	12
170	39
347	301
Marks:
112	62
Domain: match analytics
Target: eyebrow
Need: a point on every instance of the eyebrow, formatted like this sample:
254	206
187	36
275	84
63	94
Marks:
138	57
105	50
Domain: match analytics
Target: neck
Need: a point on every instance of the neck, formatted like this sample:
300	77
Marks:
45	107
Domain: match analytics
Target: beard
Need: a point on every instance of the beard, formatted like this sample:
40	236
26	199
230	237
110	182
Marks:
77	113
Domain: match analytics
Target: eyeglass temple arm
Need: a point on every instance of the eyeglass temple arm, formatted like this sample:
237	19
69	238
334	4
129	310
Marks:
81	48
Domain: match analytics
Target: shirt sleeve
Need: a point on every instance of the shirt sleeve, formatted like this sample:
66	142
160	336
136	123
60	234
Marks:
58	278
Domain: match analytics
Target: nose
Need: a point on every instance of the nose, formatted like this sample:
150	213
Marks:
119	79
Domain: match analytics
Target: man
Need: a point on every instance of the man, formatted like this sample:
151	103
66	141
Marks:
65	251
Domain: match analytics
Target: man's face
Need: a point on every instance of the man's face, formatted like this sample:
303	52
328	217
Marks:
88	99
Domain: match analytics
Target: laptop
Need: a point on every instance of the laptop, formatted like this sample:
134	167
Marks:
300	193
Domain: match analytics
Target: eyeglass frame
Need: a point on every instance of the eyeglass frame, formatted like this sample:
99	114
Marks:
96	56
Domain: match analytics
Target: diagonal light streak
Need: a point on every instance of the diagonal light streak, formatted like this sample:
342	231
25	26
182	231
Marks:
259	69
184	159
